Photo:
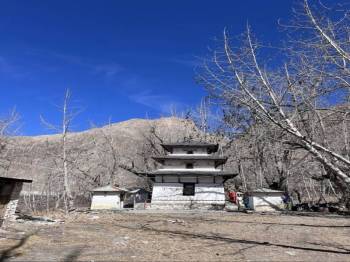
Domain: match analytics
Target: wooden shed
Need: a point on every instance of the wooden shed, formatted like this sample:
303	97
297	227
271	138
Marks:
137	198
265	199
10	189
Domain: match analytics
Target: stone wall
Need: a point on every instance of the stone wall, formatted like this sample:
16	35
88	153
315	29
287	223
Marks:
170	196
35	202
12	204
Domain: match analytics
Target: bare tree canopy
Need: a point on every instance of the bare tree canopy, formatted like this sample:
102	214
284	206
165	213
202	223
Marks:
68	114
297	96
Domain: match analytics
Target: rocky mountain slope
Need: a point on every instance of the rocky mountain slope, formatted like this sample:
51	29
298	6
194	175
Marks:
96	157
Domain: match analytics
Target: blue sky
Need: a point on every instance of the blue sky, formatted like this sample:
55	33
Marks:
121	59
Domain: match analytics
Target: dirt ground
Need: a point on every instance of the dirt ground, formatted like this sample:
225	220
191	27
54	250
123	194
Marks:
182	236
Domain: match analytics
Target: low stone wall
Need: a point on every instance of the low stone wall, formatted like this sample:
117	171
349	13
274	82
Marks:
34	202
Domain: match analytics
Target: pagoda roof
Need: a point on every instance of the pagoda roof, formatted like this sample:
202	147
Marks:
160	172
219	160
169	146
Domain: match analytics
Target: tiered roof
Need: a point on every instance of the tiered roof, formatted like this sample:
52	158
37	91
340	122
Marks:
189	173
218	159
169	146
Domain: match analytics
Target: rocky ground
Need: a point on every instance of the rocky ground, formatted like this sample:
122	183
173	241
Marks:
181	236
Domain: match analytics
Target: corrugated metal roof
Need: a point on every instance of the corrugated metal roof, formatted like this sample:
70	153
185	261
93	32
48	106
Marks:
266	190
110	188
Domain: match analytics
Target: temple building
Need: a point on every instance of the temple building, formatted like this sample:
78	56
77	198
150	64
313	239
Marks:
191	177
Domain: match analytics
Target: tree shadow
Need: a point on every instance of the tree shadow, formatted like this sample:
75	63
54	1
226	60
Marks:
4	255
266	223
242	250
73	255
230	240
7	253
338	246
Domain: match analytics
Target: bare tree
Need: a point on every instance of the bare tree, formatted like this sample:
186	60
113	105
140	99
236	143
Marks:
295	97
8	128
68	114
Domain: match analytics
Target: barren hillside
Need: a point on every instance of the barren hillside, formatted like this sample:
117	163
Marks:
97	156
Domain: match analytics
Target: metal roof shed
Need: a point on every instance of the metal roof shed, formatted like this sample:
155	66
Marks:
107	198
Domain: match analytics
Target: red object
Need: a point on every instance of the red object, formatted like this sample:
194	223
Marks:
233	197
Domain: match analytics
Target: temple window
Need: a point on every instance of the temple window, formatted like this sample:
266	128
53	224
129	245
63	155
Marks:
188	189
189	166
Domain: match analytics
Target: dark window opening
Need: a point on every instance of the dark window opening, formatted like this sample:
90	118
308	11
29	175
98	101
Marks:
189	166
190	152
189	189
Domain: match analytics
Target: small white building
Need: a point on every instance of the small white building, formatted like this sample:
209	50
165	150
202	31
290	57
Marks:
191	176
108	197
265	199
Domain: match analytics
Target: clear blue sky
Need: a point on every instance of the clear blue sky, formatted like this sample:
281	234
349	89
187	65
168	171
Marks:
121	59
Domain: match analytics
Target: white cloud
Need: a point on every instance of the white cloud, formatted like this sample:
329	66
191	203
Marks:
162	103
107	70
11	69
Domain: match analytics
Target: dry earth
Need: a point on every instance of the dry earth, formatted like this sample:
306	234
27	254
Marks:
183	236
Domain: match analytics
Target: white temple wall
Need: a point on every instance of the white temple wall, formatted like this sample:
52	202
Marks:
189	179
181	164
183	151
170	195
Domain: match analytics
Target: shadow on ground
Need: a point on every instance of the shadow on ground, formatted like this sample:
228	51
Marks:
233	240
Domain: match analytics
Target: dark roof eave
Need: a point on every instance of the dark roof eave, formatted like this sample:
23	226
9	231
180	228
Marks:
169	146
190	174
13	179
190	157
224	176
218	160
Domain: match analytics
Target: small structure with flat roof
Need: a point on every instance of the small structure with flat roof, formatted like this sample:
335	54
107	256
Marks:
114	197
265	199
108	197
191	176
10	189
